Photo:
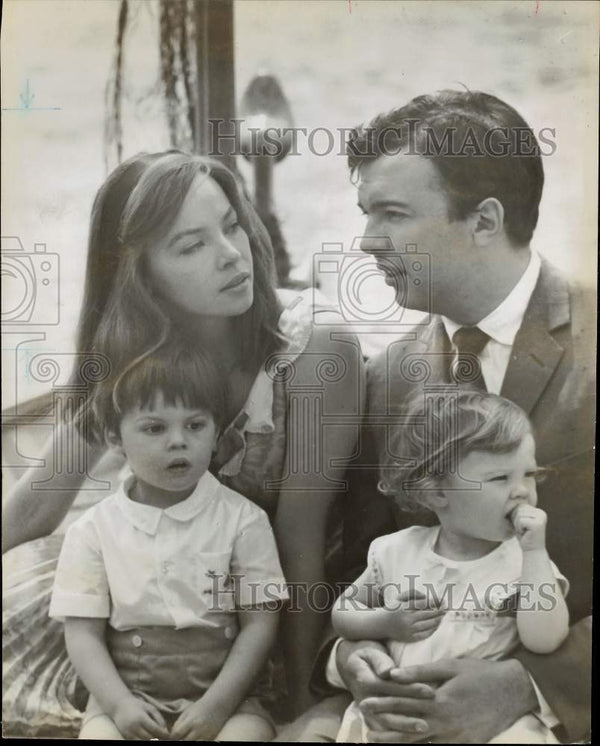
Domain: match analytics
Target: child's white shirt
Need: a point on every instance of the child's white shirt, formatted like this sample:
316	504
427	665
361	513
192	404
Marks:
478	595
138	565
480	618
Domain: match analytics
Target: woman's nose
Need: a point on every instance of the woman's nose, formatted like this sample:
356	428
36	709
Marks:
229	252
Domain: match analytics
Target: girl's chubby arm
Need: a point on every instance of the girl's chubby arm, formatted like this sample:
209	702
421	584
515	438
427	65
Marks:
542	616
204	719
86	645
28	513
358	614
328	382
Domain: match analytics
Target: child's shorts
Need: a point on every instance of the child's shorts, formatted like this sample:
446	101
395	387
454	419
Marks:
172	667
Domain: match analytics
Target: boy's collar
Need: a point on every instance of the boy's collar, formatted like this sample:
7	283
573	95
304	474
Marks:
147	517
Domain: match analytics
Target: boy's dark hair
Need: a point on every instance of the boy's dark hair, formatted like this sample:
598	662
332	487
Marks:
435	433
182	375
480	146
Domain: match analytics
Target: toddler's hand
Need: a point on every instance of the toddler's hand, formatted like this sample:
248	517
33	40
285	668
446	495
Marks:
199	722
411	616
530	527
137	719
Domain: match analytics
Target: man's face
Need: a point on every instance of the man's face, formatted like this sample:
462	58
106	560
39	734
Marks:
405	204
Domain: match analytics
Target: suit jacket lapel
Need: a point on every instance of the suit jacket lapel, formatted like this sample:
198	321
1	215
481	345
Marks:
536	353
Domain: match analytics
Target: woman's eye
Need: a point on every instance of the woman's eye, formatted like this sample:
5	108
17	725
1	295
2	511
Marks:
191	249
498	478
231	228
200	425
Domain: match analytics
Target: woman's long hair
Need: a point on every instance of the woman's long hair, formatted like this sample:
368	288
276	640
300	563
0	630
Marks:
123	318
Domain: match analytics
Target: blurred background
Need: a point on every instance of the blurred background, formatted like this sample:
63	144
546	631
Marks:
339	62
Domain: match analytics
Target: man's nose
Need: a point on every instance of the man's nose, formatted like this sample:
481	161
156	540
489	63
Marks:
371	243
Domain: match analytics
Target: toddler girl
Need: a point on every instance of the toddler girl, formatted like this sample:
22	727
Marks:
480	581
169	588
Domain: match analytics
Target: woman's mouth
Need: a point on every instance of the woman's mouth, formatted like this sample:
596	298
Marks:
237	282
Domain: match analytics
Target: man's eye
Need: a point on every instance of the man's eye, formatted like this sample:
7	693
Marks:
498	478
394	216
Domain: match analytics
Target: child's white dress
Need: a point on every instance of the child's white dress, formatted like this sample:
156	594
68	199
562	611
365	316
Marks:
480	597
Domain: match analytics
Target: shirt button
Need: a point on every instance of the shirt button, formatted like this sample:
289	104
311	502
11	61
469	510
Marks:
229	633
137	641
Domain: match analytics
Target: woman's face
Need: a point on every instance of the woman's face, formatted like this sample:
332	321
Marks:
203	265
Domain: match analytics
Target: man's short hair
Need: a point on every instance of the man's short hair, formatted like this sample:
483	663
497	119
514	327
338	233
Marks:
481	148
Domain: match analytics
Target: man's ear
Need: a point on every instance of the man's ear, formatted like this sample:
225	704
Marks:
113	441
488	221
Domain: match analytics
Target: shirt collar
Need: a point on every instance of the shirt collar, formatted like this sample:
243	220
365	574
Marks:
503	323
147	517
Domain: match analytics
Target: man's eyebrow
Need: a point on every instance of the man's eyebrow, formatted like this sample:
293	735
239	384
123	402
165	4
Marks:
383	203
380	203
230	212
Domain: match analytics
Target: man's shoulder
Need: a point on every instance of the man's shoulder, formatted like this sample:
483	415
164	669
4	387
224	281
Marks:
569	304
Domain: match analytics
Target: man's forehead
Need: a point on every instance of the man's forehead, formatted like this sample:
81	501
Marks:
390	173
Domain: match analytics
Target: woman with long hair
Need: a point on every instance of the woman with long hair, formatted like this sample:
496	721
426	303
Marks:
176	250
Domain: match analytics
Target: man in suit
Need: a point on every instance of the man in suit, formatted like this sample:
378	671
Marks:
459	175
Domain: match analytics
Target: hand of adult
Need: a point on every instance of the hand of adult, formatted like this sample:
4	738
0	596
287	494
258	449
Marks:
474	701
365	667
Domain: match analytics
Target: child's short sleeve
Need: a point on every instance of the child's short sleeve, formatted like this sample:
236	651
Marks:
80	585
255	568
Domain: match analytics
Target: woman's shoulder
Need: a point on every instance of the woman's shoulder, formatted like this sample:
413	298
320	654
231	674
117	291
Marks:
317	335
304	313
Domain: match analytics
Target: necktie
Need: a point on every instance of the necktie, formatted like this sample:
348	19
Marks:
466	369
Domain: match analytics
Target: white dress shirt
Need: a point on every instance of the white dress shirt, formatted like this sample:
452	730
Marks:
502	325
186	566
